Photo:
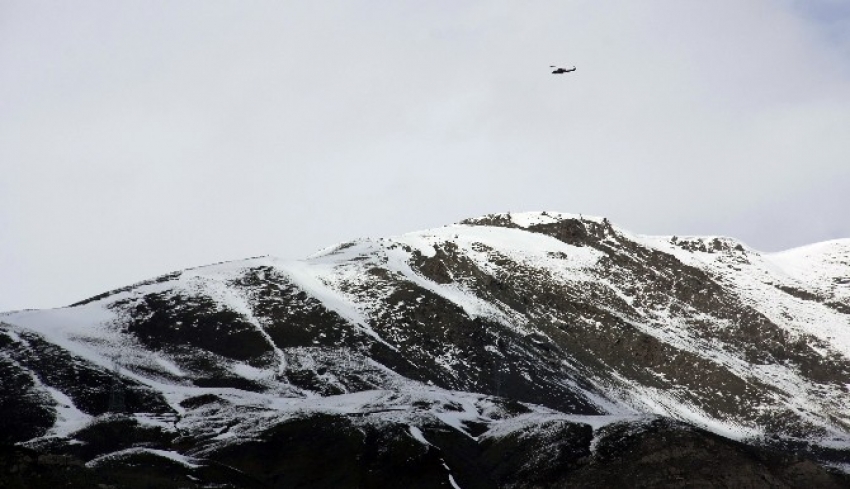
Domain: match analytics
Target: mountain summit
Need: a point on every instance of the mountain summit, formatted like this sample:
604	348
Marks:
510	350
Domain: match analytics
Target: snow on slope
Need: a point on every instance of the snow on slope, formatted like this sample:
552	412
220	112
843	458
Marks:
338	267
758	278
93	330
760	281
824	267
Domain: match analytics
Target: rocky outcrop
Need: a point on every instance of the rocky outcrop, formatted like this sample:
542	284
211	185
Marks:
511	350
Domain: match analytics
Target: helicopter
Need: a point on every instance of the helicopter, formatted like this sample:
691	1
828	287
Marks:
561	71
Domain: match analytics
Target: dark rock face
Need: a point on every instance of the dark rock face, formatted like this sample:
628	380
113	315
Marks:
25	411
21	468
330	452
661	455
290	316
510	351
335	452
539	457
87	385
166	321
700	300
112	433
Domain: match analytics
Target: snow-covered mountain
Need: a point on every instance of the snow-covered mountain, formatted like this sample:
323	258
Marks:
511	350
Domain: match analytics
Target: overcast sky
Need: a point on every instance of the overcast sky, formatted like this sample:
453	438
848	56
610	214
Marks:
141	137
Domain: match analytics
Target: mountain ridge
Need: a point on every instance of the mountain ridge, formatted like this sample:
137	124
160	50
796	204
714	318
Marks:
474	326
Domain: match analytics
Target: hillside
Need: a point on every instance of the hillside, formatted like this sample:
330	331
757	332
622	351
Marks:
511	350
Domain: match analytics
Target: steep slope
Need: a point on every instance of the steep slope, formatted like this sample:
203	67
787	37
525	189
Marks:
583	323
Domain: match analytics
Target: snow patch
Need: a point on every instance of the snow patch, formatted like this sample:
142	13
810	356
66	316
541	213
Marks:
417	434
68	417
169	454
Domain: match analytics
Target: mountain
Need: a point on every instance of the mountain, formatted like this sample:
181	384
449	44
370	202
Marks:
510	350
